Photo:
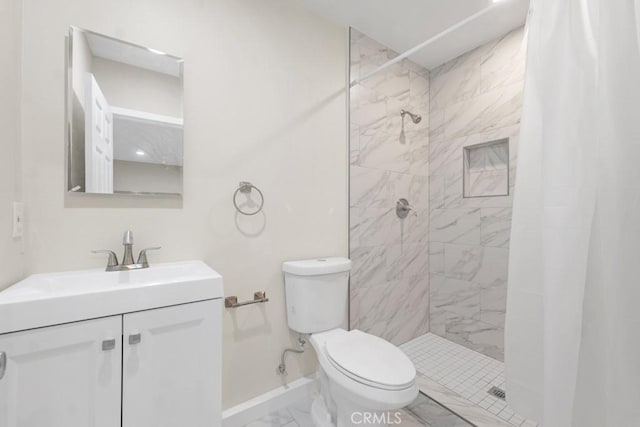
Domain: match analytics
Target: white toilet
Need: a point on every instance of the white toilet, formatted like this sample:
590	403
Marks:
363	379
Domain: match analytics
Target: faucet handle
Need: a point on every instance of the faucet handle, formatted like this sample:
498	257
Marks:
403	208
142	258
113	258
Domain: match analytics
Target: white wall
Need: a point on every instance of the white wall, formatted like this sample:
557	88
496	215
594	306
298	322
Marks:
264	100
135	88
474	98
82	64
146	177
389	160
11	264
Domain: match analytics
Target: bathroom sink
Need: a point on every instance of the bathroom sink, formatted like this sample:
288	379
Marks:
54	298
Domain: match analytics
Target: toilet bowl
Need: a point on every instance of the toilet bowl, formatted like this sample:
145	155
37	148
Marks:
363	379
364	375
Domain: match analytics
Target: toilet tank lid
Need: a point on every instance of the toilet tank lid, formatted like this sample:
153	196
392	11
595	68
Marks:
314	267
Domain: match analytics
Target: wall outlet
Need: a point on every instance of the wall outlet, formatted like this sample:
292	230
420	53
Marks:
18	219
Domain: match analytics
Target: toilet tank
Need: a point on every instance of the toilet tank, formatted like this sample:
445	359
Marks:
317	293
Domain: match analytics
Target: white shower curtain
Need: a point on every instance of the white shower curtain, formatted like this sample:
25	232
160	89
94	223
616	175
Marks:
573	308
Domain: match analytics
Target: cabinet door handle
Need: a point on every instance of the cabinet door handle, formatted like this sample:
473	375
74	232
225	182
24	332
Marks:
3	363
135	339
108	344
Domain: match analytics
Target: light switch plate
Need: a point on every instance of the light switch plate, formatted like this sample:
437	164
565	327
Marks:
18	219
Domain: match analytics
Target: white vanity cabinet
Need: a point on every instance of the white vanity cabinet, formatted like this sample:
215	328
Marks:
136	348
60	376
172	366
153	368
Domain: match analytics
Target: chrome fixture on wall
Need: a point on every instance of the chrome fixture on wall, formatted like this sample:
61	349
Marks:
415	118
403	208
245	187
3	363
258	297
127	258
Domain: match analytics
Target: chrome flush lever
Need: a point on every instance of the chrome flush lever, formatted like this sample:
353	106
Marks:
3	364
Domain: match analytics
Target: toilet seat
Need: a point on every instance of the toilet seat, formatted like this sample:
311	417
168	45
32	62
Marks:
370	360
354	390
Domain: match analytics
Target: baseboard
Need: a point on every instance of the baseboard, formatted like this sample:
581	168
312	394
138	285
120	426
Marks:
273	400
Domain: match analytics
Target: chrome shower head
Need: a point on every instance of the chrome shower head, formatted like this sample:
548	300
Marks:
415	118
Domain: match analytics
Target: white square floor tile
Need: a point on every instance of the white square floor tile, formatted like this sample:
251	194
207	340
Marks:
464	371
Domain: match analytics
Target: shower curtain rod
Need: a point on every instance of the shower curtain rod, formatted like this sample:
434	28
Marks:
424	44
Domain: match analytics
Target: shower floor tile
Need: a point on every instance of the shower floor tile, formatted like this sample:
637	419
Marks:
466	372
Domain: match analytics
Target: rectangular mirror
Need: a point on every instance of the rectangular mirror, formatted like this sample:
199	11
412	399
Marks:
124	108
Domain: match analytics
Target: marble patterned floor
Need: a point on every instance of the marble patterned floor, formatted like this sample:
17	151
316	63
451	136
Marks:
466	372
297	414
447	366
422	412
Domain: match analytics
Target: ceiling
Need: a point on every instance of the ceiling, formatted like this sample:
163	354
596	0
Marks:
147	141
403	24
137	56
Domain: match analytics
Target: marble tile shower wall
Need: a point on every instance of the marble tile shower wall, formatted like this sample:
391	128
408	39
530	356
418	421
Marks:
389	160
474	98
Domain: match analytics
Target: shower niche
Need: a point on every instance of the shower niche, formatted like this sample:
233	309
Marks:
486	169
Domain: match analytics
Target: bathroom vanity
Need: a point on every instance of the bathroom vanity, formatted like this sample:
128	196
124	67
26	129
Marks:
133	348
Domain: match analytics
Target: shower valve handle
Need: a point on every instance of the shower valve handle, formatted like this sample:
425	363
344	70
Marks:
403	208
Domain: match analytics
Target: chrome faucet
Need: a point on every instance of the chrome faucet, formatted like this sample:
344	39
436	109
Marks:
127	258
127	242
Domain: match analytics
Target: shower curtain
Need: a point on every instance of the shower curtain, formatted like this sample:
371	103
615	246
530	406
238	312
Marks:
573	308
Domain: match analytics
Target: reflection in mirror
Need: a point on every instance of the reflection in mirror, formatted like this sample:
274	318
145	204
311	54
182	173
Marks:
125	113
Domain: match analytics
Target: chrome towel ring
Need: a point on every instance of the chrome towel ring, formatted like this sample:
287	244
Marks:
245	187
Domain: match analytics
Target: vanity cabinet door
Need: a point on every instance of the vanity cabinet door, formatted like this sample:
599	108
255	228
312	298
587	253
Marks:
62	376
172	366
